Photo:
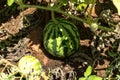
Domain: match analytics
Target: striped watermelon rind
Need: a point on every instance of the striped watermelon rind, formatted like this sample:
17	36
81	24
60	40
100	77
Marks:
61	38
30	65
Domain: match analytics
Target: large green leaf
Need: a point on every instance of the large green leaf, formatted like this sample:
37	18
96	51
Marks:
82	78
94	77
88	71
10	2
117	5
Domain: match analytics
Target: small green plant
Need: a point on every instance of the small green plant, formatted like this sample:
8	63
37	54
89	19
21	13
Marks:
10	2
88	76
114	65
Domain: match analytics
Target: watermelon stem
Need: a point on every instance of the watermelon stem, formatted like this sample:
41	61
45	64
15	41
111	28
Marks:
53	16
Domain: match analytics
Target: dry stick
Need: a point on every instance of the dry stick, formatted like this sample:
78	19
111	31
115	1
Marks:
7	63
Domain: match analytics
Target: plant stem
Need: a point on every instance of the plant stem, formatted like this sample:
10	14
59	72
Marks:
64	13
115	60
55	10
105	28
53	16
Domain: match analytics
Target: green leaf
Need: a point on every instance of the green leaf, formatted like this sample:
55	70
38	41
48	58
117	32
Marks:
19	2
94	77
4	76
112	54
76	1
64	1
82	6
88	71
12	77
88	1
10	2
118	76
82	78
117	5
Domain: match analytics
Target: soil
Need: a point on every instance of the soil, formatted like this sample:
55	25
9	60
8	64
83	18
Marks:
29	41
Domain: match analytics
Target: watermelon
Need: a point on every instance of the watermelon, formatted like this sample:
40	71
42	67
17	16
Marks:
61	38
30	65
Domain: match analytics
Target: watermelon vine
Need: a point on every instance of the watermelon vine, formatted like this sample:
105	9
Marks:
53	16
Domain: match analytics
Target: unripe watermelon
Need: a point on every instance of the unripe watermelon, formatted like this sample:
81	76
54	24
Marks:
61	38
30	65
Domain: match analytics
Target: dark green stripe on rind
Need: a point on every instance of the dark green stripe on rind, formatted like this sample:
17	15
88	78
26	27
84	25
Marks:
54	41
59	39
73	30
47	34
71	43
